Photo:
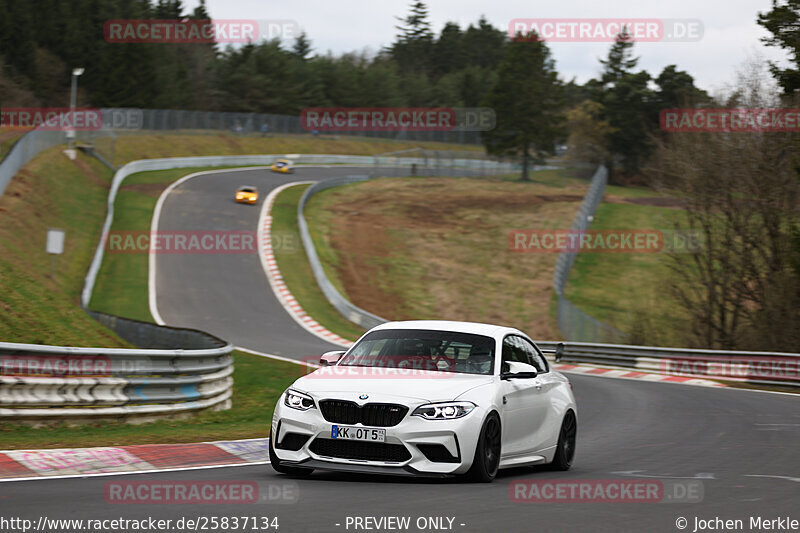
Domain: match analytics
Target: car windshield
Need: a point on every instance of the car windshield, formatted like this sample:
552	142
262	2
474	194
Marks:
442	351
247	189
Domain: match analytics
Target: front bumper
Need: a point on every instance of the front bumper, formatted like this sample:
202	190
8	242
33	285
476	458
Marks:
450	444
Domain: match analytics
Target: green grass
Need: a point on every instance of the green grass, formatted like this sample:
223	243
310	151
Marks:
627	290
295	268
8	141
51	192
258	382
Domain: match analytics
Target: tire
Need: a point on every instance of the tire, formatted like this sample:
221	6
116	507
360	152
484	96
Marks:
565	451
487	453
276	465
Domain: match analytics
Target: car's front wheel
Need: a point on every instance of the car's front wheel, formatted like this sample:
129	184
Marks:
281	468
487	452
565	451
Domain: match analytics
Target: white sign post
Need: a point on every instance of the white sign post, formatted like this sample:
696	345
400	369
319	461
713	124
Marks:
54	247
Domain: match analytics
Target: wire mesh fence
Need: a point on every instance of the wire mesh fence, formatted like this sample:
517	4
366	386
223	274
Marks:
577	325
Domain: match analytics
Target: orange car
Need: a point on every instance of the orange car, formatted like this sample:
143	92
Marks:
247	194
283	166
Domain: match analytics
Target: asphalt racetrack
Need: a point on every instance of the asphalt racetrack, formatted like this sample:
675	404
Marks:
737	452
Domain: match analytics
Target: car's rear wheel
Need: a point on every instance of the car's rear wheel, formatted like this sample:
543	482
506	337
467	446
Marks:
565	451
487	452
283	469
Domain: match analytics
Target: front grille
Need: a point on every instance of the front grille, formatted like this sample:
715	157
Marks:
292	441
437	453
365	451
370	414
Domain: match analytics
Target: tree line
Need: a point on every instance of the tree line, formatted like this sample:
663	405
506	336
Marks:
42	40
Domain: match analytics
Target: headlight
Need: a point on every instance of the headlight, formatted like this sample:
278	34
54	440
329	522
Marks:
298	400
444	410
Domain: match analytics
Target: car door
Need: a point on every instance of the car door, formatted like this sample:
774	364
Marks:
541	411
523	403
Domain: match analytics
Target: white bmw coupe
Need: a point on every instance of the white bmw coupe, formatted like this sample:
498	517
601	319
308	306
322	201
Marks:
427	398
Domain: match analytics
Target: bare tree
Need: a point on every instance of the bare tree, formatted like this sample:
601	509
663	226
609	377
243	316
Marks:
741	194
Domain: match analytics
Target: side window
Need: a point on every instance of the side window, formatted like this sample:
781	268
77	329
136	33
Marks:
508	349
514	350
535	356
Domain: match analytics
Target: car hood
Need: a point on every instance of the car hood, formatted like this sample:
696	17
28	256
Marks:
386	384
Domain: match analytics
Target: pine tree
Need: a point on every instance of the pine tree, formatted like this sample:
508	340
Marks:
413	47
302	46
527	100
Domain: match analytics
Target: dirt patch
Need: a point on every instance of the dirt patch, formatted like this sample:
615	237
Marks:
438	249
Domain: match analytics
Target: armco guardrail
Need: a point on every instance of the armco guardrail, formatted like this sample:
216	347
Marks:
575	324
760	368
39	382
353	313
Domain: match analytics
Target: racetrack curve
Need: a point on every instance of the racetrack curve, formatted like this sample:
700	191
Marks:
725	439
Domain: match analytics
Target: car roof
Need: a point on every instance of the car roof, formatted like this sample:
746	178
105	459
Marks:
490	330
247	187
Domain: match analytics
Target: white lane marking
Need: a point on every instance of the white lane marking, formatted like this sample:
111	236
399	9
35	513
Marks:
155	471
278	357
635	473
794	479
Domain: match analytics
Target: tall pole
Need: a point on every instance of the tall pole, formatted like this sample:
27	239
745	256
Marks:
72	101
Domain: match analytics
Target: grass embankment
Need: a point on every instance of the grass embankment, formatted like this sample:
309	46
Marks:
51	192
438	248
629	290
8	139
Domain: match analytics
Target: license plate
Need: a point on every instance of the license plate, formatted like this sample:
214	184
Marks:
357	433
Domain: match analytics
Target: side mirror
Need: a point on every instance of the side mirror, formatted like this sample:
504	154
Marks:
516	370
559	352
331	358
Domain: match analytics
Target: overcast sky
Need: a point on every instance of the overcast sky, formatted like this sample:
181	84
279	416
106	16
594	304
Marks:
730	31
